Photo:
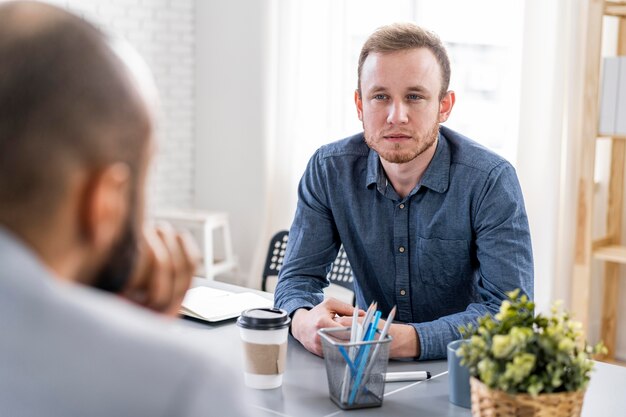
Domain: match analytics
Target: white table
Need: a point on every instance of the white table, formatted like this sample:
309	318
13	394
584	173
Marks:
304	392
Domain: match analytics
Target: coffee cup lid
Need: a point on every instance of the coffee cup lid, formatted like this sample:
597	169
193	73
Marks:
264	319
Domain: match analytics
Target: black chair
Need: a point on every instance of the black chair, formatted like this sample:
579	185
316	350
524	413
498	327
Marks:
275	256
340	273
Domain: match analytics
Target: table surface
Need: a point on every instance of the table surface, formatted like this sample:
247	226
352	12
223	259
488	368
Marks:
304	392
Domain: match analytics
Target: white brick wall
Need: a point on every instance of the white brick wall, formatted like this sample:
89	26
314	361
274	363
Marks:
162	31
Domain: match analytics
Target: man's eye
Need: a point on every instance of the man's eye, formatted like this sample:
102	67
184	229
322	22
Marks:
413	97
380	97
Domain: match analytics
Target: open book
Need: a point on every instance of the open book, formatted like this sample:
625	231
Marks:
213	305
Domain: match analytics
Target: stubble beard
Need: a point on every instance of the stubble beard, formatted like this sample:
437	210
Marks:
116	272
396	155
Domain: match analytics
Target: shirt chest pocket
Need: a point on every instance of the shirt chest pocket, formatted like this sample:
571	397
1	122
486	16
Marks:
444	263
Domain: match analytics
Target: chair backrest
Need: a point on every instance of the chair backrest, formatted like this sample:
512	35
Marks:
275	256
340	273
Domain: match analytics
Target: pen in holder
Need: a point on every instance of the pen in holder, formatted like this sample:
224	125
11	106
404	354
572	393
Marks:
355	370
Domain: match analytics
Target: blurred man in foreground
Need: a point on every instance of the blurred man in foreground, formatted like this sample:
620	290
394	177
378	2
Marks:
75	145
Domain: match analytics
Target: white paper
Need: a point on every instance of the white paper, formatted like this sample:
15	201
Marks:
215	305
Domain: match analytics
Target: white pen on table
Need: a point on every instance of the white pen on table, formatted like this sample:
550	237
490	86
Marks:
407	376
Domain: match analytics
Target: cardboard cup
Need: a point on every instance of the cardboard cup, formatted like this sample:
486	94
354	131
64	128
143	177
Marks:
264	333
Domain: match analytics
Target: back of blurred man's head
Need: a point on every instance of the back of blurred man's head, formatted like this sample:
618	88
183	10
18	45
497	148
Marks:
65	102
68	105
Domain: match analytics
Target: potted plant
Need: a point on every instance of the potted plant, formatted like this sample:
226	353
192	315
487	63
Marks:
522	364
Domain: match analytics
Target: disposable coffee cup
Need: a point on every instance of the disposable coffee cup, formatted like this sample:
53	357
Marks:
264	333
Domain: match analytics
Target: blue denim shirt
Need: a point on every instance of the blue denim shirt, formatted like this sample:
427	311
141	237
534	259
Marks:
445	254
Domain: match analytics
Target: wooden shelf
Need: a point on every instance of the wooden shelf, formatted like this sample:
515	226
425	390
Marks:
609	248
612	361
615	8
611	253
620	137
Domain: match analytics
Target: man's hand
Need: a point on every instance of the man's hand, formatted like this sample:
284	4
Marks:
306	323
405	343
167	262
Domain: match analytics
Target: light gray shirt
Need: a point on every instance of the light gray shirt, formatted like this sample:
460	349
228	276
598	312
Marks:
69	350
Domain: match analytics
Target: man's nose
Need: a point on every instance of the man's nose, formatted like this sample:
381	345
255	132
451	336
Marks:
397	113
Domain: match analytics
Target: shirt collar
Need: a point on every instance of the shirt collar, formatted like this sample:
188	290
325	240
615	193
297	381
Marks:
436	177
375	172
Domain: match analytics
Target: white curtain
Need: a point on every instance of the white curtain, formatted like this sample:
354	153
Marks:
546	159
303	104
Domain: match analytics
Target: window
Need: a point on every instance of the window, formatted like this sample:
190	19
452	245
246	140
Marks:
318	44
484	41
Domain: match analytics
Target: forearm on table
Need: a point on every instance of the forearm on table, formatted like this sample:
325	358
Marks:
298	292
435	335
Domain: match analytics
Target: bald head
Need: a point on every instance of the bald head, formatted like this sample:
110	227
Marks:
67	103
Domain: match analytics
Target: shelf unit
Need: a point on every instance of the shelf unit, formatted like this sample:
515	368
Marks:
609	249
213	228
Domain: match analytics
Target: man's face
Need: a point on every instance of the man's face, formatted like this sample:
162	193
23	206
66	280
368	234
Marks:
399	103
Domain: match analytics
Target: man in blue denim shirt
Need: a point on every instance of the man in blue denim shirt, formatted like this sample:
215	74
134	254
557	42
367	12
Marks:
431	221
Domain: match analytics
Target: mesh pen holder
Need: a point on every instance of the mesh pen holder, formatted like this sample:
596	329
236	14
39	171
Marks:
355	371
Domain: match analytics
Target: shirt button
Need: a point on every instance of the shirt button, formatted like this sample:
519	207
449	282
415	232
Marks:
402	292
401	249
401	206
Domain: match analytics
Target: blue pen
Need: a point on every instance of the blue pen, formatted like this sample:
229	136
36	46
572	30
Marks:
365	327
349	362
355	336
369	335
363	360
383	335
350	368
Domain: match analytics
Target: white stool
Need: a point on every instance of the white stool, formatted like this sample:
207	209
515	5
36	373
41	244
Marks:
209	222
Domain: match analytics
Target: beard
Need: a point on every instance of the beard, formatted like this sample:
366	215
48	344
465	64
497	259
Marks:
116	272
397	154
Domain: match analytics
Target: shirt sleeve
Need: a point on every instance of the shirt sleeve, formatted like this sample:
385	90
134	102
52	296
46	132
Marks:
313	244
503	254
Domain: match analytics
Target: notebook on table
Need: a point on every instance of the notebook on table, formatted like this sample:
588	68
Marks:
214	305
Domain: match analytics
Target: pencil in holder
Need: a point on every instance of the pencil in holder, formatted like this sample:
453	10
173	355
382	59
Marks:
355	371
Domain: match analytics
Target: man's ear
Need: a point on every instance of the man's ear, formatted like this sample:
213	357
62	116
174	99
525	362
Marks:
445	106
105	205
359	104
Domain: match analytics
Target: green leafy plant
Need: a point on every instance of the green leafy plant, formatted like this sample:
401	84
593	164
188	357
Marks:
518	352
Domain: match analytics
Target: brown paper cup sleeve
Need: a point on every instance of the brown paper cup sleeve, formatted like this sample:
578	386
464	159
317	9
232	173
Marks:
265	359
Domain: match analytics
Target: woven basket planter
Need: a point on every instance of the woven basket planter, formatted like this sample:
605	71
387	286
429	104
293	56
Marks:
494	403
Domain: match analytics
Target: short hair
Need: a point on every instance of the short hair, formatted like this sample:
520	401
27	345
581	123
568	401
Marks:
403	36
66	102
